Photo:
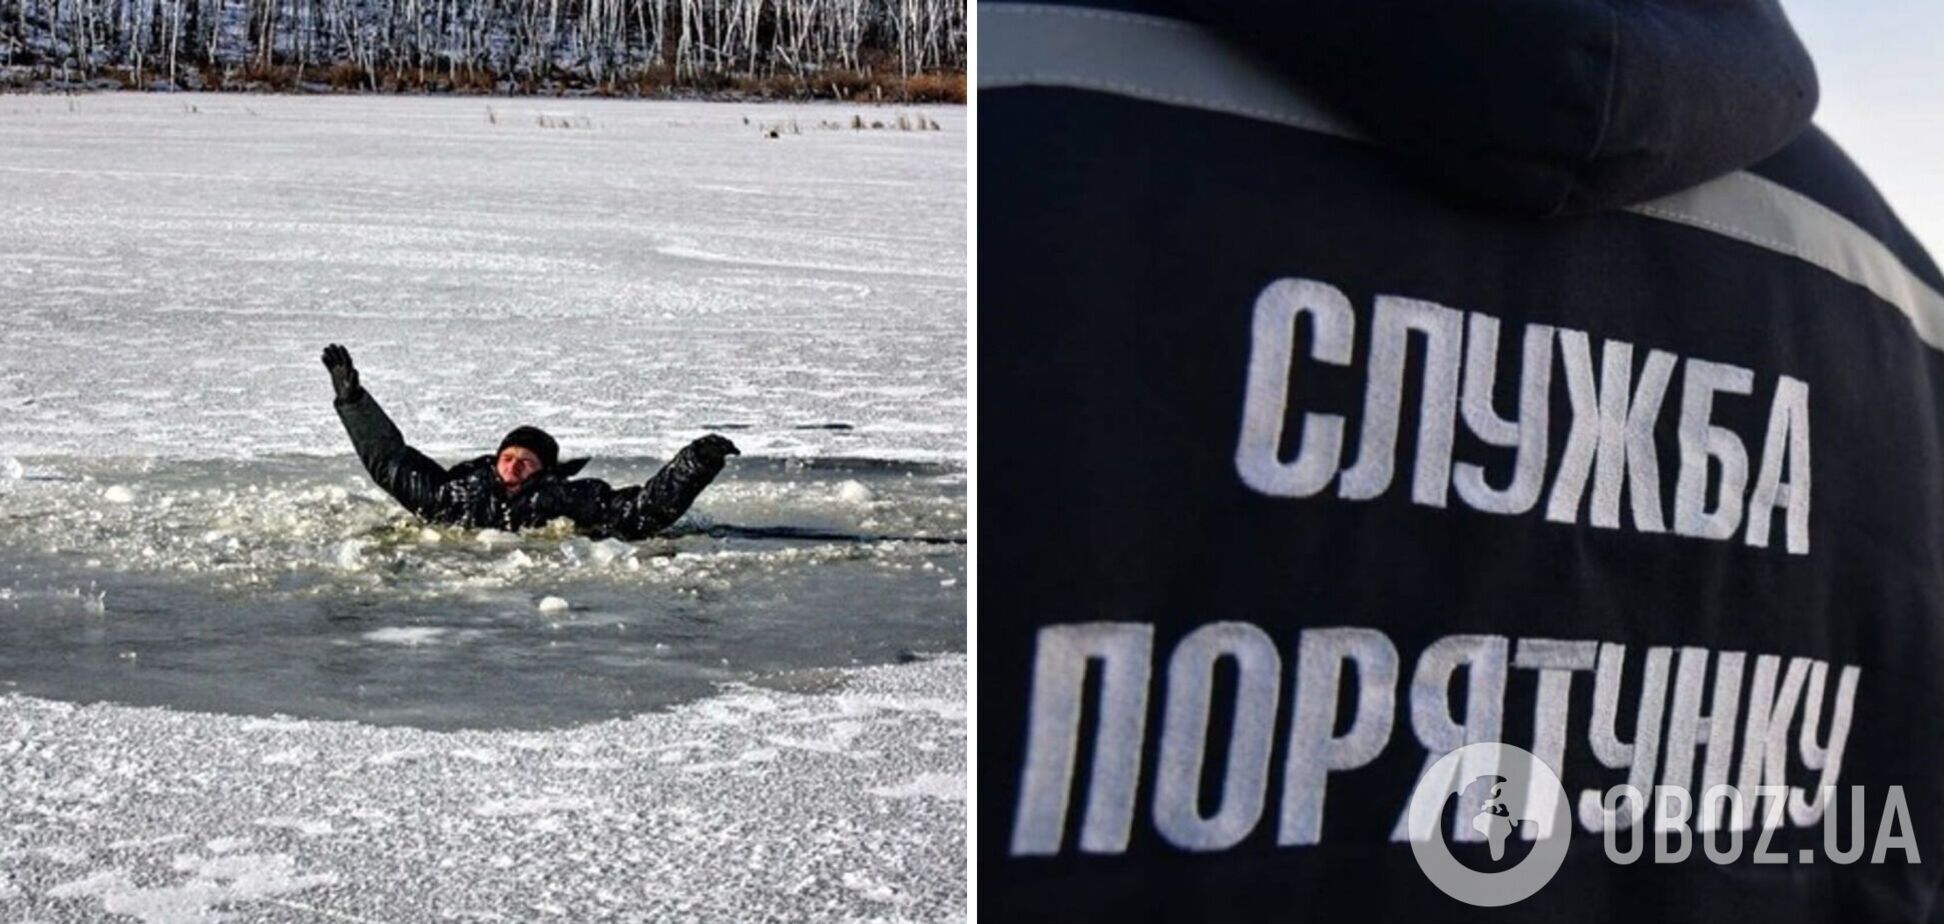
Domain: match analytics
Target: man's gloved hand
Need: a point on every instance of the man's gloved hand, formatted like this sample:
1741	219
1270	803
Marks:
714	449
344	376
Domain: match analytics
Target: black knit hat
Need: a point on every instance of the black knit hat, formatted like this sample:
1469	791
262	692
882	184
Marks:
535	439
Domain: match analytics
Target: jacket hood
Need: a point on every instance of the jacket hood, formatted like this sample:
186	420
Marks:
1543	106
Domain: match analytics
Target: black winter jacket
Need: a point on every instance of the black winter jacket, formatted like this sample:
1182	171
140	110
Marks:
1428	373
470	494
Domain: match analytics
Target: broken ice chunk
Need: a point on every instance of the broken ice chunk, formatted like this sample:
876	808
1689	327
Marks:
854	492
608	551
349	554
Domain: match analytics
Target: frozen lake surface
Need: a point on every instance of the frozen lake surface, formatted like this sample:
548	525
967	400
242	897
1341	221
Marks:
687	727
171	265
176	491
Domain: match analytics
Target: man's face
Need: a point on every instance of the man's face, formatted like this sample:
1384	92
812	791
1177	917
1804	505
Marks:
517	464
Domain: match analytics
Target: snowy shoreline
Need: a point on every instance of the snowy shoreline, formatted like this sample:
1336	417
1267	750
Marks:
751	805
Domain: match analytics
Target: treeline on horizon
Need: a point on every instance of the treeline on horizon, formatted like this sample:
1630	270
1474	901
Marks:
909	50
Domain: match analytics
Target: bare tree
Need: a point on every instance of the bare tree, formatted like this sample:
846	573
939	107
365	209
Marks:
595	42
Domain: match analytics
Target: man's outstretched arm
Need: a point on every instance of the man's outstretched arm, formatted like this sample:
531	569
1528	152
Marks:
404	472
646	510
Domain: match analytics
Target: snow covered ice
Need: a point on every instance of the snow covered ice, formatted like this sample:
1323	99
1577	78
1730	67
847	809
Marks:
753	806
172	264
186	541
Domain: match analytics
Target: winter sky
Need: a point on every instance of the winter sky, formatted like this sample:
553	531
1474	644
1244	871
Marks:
1883	98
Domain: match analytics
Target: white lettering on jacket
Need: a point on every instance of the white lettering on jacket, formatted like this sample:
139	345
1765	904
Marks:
1608	471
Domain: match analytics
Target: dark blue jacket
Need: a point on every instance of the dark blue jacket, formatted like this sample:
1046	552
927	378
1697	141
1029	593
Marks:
1362	380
